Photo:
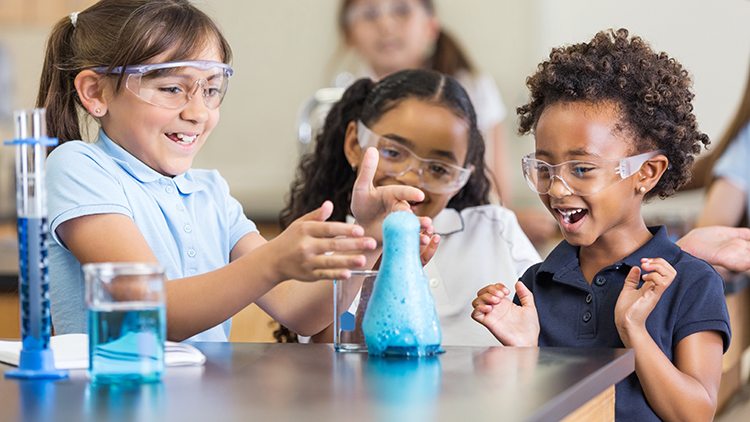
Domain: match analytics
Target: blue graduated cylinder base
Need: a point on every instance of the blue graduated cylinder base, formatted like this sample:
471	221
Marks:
36	364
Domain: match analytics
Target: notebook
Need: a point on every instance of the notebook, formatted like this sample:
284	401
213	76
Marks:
72	352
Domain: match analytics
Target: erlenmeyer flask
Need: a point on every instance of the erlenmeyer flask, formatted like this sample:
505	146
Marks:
401	318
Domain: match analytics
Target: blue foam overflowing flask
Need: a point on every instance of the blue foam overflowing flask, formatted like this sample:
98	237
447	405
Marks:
401	318
31	142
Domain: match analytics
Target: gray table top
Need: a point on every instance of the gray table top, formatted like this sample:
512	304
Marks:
258	381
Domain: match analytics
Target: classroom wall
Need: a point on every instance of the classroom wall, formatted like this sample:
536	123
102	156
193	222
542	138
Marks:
283	49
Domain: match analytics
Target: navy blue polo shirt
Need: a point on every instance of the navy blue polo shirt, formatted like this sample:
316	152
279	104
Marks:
573	313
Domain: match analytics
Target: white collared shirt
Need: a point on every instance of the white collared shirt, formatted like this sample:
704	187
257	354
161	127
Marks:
479	246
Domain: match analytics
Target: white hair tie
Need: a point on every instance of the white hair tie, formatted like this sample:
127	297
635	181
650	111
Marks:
74	18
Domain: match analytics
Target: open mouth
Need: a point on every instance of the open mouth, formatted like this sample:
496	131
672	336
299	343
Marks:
414	206
182	138
571	216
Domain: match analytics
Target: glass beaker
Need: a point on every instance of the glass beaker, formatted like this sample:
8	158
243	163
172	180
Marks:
126	321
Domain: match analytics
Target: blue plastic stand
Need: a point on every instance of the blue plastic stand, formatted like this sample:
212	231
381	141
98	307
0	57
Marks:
35	364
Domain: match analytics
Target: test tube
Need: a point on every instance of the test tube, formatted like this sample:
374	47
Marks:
31	142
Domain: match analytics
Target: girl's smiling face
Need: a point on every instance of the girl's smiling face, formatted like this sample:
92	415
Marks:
431	131
391	35
584	131
166	140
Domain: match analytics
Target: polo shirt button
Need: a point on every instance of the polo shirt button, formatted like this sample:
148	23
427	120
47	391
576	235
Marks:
180	207
600	280
188	228
191	252
169	189
588	298
587	317
434	282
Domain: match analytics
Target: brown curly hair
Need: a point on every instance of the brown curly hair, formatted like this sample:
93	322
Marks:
651	91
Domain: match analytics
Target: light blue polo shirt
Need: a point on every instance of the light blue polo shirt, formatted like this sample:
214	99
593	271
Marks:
733	163
190	220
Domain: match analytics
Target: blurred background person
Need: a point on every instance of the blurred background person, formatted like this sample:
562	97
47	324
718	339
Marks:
391	35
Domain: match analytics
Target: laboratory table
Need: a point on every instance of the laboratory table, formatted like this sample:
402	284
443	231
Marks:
296	382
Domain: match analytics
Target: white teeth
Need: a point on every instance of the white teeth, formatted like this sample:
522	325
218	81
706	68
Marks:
185	139
567	214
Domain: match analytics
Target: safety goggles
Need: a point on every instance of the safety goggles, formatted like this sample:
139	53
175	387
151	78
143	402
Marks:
395	160
581	177
370	12
173	84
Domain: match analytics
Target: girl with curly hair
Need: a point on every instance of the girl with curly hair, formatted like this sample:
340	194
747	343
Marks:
424	126
614	127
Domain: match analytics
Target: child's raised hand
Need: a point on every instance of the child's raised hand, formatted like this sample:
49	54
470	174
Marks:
513	325
635	305
302	249
370	204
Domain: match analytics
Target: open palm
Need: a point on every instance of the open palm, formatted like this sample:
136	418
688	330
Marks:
513	325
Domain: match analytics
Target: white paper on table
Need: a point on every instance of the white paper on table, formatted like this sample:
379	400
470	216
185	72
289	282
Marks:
71	351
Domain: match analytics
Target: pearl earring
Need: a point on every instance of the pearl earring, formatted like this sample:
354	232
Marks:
98	111
642	189
354	168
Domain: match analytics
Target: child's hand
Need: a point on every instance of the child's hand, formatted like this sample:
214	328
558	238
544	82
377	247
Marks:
513	325
428	251
370	205
635	305
302	248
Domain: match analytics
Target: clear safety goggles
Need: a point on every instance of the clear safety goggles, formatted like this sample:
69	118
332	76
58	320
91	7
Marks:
173	84
395	160
581	177
370	12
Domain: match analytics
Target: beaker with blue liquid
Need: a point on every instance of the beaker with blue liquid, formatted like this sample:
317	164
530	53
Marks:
126	321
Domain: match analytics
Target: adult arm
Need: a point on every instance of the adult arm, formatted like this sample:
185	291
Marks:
716	239
724	206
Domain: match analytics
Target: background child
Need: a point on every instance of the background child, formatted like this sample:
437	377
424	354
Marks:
727	199
393	35
424	126
153	74
613	125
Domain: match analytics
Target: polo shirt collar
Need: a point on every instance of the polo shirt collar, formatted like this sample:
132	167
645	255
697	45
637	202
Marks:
565	256
140	171
660	246
448	221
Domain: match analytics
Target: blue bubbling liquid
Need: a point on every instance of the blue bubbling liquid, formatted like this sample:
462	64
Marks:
401	319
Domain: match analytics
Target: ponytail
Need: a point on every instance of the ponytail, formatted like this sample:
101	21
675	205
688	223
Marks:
448	57
324	173
57	91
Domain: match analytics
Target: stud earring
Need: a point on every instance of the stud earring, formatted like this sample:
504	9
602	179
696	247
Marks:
642	189
98	111
354	168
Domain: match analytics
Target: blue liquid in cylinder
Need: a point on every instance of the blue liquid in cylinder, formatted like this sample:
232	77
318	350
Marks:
127	345
36	324
401	319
